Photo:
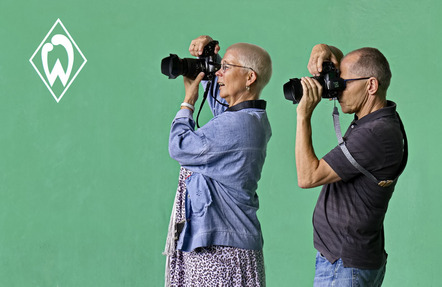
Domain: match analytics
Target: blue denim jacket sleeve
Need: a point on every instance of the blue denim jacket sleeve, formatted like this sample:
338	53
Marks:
185	144
188	146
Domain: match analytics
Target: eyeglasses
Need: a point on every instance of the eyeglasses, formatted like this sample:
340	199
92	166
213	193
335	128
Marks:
225	66
355	79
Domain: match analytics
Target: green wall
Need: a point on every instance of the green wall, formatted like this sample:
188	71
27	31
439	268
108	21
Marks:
87	185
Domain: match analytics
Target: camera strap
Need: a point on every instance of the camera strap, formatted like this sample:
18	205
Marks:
209	84
206	92
341	142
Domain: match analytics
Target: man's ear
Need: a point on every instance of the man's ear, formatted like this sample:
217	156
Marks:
373	85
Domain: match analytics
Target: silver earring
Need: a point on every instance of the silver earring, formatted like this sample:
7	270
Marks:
248	88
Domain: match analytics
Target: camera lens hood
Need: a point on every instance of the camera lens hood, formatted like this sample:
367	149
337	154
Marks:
171	66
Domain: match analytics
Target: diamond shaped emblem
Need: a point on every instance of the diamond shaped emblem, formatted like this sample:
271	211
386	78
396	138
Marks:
58	60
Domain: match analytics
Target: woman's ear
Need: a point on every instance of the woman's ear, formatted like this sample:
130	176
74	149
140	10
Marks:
251	78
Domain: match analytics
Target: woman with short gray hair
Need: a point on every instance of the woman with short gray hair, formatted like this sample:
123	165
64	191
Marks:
215	236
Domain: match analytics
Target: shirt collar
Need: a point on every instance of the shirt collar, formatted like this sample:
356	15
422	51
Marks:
253	104
387	111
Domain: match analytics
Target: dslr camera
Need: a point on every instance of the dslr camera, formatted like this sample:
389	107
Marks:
173	66
331	82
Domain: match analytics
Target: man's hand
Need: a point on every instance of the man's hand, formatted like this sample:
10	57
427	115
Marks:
191	87
321	53
197	46
311	96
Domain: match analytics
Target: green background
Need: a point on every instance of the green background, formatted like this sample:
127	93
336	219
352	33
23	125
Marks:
87	185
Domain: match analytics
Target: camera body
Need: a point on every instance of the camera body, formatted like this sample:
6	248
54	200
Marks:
173	66
331	82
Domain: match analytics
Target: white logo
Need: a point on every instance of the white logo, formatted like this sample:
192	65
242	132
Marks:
58	46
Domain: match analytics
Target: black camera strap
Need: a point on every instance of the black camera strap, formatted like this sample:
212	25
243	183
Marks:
209	84
341	142
206	92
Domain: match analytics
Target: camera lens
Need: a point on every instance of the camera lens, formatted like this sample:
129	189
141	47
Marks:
293	90
329	79
172	66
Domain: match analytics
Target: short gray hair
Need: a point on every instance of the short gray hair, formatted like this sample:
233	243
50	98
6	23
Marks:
258	59
372	63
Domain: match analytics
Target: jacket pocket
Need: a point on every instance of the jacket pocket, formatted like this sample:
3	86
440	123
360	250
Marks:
199	195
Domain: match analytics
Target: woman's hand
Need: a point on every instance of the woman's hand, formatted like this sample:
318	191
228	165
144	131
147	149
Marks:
197	46
191	87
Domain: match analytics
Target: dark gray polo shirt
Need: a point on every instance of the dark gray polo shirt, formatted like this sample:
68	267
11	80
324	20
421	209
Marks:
349	215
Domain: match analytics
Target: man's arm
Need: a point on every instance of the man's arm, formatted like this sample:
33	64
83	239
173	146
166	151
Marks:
311	171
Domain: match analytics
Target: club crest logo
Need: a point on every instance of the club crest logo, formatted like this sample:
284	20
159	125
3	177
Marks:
58	60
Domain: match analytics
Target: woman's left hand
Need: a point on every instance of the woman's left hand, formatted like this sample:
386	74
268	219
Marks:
197	45
191	87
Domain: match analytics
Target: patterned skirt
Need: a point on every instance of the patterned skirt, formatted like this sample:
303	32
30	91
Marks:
212	265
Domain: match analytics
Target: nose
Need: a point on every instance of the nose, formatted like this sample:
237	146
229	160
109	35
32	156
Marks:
218	73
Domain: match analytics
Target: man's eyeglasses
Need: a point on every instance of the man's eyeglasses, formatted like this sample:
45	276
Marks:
355	79
225	66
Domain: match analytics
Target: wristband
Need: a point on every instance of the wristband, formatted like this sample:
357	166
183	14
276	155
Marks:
187	105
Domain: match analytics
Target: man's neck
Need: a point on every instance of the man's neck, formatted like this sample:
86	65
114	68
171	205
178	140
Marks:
372	106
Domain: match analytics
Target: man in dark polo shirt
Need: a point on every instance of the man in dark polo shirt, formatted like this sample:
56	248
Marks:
348	217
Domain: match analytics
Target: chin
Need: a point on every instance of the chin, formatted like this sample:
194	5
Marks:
344	109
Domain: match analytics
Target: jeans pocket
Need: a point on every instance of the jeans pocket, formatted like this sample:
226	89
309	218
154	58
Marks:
320	260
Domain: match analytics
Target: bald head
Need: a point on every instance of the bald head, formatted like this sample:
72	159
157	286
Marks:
257	58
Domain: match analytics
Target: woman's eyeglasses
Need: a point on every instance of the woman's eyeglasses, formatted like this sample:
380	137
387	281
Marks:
225	66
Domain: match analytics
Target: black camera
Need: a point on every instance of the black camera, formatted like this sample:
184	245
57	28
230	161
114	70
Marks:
331	82
173	66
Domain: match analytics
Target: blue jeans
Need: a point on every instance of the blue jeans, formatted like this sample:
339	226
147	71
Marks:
336	275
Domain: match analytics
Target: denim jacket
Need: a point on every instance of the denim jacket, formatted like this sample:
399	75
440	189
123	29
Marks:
226	156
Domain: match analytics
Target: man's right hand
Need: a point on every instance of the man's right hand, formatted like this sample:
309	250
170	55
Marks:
197	45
